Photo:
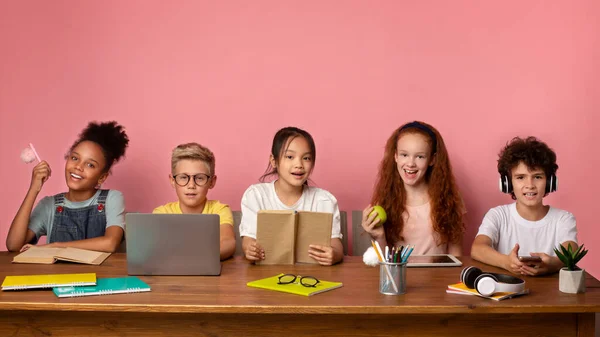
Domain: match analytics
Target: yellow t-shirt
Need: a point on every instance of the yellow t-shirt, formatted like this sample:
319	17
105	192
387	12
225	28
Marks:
211	207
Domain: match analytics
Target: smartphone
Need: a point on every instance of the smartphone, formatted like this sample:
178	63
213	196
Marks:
530	259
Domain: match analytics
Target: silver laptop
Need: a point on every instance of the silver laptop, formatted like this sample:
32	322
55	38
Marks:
172	244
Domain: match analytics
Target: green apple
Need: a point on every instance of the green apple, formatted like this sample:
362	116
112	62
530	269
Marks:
381	215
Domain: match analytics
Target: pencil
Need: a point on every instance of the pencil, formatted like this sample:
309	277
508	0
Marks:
387	268
407	255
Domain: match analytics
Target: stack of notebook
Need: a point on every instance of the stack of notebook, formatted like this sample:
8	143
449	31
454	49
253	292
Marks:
70	285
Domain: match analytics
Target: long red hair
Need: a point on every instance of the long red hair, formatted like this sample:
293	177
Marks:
446	203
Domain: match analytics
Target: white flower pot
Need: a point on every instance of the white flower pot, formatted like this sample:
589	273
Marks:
571	282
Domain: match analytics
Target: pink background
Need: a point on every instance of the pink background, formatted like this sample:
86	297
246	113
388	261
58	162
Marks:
229	74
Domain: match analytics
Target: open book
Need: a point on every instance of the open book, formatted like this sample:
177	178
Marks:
271	283
105	286
286	235
44	255
461	289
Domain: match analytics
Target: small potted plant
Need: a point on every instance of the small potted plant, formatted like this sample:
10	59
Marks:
571	278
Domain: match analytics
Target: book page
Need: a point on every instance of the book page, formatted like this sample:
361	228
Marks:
314	228
36	254
275	233
82	256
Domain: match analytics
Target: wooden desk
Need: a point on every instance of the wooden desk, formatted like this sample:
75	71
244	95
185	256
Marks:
225	306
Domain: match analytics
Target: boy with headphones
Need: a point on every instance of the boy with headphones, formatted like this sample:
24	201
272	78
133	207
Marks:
527	170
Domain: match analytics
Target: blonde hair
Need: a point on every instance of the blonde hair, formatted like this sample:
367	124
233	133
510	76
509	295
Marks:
193	151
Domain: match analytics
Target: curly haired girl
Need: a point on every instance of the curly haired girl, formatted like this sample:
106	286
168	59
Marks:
85	216
416	188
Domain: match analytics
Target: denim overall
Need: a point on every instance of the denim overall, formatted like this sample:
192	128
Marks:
80	223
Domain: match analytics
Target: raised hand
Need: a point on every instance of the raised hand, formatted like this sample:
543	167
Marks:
41	173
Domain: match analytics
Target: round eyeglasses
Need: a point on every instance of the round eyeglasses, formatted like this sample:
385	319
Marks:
200	179
307	281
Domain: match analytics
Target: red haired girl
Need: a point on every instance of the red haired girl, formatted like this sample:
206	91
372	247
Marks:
416	188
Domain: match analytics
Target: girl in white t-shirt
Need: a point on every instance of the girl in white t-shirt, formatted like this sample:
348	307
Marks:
292	160
416	188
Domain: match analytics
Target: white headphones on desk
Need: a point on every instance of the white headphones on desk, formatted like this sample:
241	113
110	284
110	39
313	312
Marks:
488	284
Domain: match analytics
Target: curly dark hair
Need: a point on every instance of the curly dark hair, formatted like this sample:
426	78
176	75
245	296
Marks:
110	136
531	151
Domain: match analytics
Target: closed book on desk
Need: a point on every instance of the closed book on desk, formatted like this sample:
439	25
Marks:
47	281
286	235
45	255
461	289
271	283
105	286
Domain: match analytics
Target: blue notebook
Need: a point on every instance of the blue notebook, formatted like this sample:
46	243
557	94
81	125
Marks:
105	286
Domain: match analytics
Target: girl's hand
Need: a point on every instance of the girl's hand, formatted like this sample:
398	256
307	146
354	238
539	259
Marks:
371	225
25	247
323	254
254	252
29	245
41	173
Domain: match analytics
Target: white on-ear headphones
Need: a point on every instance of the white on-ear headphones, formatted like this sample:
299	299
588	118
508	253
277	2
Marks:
488	284
505	184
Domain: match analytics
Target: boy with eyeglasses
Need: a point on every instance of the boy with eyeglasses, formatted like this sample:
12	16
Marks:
192	175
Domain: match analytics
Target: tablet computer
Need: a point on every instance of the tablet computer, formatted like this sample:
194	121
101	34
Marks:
433	260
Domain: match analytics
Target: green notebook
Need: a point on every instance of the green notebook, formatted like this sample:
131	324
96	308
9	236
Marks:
105	286
270	283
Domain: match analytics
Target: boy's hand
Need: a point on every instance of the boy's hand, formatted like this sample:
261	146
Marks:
323	254
513	264
538	268
254	252
370	224
41	173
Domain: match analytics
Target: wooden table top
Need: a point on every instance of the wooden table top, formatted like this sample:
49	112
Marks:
228	293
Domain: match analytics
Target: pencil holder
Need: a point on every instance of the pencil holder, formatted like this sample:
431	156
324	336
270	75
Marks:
392	278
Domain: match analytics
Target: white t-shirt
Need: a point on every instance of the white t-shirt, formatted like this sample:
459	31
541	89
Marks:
263	197
505	227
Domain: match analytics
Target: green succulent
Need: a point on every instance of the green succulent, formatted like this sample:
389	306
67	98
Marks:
570	257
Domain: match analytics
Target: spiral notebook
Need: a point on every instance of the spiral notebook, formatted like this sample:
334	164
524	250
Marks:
105	286
47	281
271	283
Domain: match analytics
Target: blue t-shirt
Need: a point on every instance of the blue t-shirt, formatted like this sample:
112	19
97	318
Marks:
42	217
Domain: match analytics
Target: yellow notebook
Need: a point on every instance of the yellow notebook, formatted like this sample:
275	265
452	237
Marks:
270	283
48	281
461	289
